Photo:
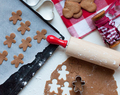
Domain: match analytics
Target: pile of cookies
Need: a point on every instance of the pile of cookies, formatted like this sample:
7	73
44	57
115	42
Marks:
25	42
73	8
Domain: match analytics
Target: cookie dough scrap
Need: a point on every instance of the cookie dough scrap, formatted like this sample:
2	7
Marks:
10	40
98	80
17	60
24	27
16	16
72	9
40	35
25	43
3	56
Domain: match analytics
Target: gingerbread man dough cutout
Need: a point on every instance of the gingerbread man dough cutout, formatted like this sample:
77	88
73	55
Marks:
24	27
10	40
16	16
3	56
17	60
40	35
25	43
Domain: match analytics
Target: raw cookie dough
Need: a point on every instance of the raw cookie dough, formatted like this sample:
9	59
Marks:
3	56
16	16
40	35
10	40
17	60
98	80
25	43
24	27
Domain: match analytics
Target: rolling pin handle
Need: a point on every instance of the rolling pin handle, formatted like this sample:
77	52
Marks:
54	40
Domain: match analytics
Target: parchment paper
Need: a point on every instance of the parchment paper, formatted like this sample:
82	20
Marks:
7	27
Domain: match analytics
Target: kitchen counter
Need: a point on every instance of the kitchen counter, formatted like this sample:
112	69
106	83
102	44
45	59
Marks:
37	83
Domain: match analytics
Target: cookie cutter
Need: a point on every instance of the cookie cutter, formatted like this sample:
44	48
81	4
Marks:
76	89
43	7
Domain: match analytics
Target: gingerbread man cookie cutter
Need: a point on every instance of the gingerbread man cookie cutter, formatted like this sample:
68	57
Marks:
78	84
43	7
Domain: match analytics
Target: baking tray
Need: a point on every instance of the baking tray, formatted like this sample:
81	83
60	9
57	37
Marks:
14	79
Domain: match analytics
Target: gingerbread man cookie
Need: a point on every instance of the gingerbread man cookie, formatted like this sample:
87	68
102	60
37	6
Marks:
10	40
71	9
24	27
40	35
16	16
17	60
3	56
25	43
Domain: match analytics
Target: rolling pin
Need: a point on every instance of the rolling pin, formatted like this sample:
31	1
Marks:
88	51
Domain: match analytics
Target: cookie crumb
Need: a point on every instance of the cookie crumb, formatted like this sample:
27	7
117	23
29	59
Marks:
10	40
16	16
25	43
3	56
17	60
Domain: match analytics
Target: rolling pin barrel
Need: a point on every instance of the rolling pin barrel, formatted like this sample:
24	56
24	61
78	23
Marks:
92	53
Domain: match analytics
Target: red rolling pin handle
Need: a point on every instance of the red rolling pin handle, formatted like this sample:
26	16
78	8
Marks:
54	40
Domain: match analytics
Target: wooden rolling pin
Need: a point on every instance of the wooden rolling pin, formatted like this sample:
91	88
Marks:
89	52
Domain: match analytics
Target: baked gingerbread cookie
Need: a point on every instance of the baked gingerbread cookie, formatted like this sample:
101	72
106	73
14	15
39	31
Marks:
16	16
88	5
75	0
72	9
77	15
98	16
